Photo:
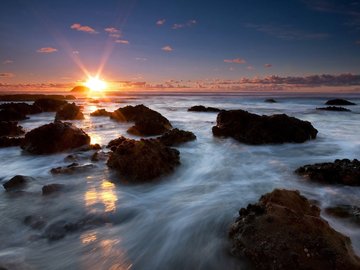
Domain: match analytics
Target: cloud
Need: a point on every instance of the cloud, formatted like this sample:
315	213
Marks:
268	65
83	28
115	35
8	61
286	32
122	41
47	50
141	59
167	48
235	61
160	22
250	68
189	23
76	52
7	75
112	30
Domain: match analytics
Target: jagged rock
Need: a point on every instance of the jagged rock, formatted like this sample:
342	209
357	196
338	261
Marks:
17	182
339	101
284	231
52	188
49	105
334	108
53	138
201	108
176	136
69	111
9	128
343	171
11	141
144	160
147	122
255	129
72	168
101	112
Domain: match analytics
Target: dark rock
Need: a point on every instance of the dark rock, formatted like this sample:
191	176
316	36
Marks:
343	171
101	112
147	122
90	147
270	100
348	212
144	160
70	111
35	222
334	108
176	136
11	141
52	188
11	115
116	142
53	138
99	155
71	158
49	105
21	107
80	89
9	128
284	231
33	97
201	108
255	129
339	101
72	168
17	182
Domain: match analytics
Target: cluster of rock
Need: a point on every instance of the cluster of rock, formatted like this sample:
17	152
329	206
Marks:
201	108
335	105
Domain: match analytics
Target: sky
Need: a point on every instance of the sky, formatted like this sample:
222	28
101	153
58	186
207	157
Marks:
184	44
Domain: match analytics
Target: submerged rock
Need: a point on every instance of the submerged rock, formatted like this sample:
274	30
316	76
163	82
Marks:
270	100
11	115
53	138
343	171
49	105
339	101
334	108
255	129
17	182
142	161
72	168
99	155
201	108
52	188
11	141
176	136
101	112
348	212
10	128
70	111
147	122
284	231
35	222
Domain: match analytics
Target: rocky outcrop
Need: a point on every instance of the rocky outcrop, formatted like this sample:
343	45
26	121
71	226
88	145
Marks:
334	108
142	161
147	122
339	101
53	138
11	115
101	112
21	107
255	129
69	111
33	97
52	188
284	231
345	172
49	105
17	182
201	108
176	136
10	128
11	141
72	168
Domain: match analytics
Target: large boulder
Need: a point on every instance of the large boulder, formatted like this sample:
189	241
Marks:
339	101
201	108
147	122
284	231
142	161
69	111
17	182
8	128
343	171
53	138
176	136
21	107
11	115
334	109
49	105
255	129
101	112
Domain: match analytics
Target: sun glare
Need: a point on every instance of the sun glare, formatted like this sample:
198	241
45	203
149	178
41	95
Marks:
95	84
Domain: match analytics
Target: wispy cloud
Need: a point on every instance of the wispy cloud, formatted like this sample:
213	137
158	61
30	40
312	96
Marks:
83	28
189	23
268	65
112	30
167	48
160	22
47	50
122	41
141	59
286	32
7	75
235	61
8	61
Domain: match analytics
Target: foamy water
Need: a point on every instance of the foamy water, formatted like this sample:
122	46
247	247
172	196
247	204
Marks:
180	222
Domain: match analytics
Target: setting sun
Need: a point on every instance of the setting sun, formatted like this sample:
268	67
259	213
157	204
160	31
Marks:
95	84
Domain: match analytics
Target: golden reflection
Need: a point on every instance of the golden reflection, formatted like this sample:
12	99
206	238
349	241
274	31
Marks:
105	194
88	237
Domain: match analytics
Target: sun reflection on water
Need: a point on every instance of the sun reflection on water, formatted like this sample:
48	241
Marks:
105	195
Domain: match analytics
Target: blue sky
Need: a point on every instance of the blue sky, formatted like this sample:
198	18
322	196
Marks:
54	42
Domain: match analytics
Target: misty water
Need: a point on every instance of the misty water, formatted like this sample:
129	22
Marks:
181	221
